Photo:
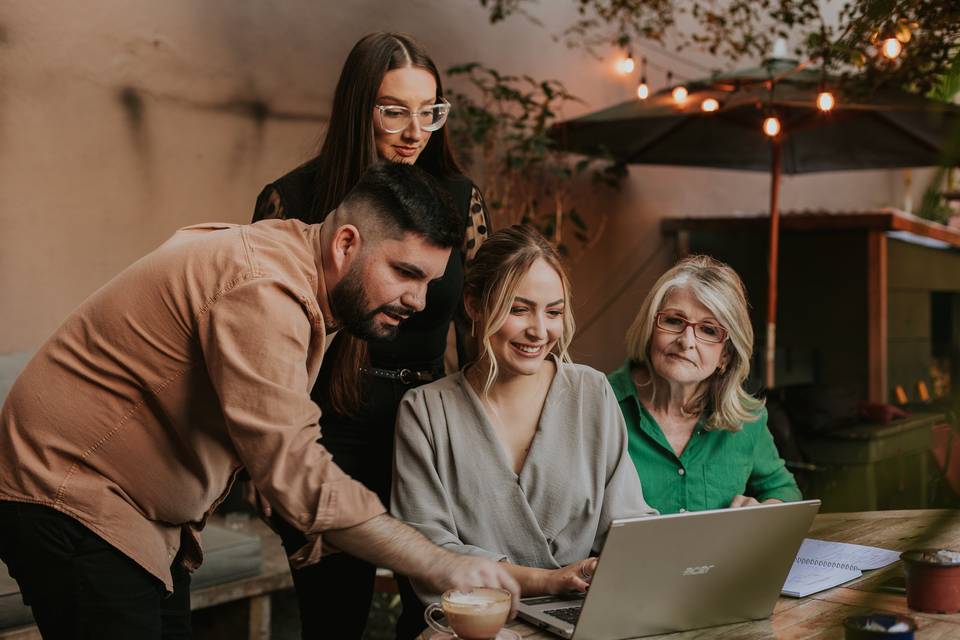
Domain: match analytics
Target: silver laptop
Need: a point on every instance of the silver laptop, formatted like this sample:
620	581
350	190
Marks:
682	571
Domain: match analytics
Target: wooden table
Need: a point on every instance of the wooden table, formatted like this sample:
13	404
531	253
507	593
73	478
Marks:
821	615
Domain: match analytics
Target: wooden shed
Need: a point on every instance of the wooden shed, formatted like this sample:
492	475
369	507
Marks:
867	300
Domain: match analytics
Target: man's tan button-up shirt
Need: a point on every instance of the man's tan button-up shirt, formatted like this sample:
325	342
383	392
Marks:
194	362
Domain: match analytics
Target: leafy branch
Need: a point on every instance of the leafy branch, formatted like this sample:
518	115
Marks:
503	121
737	29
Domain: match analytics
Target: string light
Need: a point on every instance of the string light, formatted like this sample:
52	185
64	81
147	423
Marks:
771	126
825	100
643	91
679	94
709	105
626	65
891	48
904	33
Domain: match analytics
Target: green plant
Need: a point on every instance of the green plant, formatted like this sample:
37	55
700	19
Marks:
503	122
382	622
945	88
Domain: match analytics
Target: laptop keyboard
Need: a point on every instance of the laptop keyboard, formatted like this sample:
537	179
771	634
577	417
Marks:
568	614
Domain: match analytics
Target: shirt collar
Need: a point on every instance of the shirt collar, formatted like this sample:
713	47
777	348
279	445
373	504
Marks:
622	383
323	300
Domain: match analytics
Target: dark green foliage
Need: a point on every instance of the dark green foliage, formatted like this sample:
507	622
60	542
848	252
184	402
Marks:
503	122
737	29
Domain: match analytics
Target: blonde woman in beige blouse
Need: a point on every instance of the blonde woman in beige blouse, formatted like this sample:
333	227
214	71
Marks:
522	457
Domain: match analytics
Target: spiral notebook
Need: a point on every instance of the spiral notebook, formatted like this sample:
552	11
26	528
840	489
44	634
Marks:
822	565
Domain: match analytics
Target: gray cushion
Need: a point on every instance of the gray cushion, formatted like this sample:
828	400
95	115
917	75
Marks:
11	364
228	555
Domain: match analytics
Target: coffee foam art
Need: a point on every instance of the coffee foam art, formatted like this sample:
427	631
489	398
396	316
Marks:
468	598
475	599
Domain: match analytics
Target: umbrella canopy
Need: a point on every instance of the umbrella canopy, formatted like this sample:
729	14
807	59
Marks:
883	130
878	130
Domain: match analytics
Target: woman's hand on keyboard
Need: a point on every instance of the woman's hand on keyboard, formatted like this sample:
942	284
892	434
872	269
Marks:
576	576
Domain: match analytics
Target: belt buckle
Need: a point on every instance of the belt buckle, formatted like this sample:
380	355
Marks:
407	376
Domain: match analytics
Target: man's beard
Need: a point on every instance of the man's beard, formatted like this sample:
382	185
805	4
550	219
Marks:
349	304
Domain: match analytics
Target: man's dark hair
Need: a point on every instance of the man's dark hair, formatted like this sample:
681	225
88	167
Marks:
405	199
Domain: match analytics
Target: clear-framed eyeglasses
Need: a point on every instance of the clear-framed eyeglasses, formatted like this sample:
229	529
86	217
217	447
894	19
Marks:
703	331
395	118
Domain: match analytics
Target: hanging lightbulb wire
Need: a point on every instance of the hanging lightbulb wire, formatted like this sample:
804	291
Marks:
643	90
771	123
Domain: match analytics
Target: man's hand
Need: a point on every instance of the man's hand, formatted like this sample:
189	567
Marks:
387	542
256	500
461	572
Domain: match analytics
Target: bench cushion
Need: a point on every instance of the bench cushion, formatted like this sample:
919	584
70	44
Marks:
228	556
11	364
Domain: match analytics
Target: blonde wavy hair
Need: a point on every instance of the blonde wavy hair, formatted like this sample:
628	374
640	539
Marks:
723	400
491	283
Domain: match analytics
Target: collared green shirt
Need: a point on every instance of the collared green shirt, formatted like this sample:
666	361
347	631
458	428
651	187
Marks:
714	467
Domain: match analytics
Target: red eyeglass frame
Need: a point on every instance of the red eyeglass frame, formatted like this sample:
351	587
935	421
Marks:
687	323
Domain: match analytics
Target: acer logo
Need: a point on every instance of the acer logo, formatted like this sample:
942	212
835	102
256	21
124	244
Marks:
697	571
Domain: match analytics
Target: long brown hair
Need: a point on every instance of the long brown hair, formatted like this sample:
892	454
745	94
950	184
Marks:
348	149
492	279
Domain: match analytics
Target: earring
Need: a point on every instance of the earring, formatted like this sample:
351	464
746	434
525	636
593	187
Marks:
722	369
473	328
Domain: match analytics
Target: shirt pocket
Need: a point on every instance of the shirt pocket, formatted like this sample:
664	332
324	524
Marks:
724	480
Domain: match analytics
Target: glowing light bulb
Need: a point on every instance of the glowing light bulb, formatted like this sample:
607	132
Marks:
771	126
643	91
825	101
626	65
905	31
710	104
679	94
891	48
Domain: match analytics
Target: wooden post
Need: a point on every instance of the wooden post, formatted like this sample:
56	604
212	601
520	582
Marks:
877	316
771	342
259	617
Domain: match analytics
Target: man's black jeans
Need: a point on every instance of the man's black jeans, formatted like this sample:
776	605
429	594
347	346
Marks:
79	586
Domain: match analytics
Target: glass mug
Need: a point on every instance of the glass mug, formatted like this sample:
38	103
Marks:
477	615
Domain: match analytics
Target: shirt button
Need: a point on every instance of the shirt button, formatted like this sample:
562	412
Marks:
681	471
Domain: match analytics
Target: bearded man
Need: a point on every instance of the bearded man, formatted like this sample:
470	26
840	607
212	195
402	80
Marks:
133	420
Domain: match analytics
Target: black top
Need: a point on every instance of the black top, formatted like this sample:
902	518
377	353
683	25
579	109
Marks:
422	339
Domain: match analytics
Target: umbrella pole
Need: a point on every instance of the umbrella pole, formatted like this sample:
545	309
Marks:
771	342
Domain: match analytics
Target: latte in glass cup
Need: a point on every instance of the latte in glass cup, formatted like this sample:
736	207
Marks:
475	615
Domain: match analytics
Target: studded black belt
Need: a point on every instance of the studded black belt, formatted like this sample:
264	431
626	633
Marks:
406	376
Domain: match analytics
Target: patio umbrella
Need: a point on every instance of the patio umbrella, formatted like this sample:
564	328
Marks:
880	130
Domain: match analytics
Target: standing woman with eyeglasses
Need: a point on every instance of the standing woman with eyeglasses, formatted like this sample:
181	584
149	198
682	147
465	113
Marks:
388	106
698	439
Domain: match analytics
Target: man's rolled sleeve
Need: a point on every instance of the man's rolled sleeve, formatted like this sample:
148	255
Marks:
256	340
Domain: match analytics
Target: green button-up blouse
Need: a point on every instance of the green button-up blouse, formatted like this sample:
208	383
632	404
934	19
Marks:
714	467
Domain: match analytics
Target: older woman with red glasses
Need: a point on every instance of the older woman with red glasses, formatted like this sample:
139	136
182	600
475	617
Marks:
698	439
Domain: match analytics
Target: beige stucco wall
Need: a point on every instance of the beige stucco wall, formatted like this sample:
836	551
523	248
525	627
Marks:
122	121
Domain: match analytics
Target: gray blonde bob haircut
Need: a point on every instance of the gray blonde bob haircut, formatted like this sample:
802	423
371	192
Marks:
723	402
